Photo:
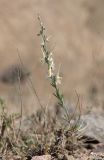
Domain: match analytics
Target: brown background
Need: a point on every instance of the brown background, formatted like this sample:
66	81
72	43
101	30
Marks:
77	29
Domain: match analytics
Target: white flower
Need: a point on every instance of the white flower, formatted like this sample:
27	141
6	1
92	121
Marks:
42	44
48	38
50	73
58	77
51	62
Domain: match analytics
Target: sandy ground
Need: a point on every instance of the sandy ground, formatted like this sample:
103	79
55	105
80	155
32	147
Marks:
77	29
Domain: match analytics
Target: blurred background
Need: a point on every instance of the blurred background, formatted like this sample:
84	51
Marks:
77	30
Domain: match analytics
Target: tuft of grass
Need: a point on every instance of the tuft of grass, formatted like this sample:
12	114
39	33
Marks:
67	135
54	78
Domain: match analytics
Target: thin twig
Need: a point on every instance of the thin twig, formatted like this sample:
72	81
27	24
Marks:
21	104
31	84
